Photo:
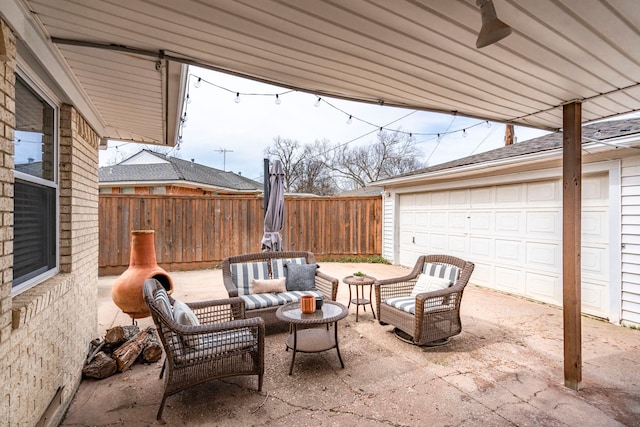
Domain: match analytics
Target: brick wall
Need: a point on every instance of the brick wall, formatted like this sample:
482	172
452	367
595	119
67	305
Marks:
7	126
45	331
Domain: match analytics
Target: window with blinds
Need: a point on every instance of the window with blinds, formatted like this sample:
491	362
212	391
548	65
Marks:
35	189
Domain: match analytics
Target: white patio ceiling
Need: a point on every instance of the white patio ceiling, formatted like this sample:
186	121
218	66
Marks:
418	54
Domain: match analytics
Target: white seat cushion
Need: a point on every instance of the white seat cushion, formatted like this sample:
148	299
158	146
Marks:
255	301
252	302
277	265
183	314
217	343
407	303
243	272
445	271
162	301
294	296
428	283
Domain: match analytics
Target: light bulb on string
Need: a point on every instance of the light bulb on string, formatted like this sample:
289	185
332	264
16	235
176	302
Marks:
464	133
237	100
380	131
188	99
317	103
597	134
278	99
184	120
439	137
198	82
349	120
487	124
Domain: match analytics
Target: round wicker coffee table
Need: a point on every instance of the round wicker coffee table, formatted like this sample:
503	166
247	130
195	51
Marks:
312	340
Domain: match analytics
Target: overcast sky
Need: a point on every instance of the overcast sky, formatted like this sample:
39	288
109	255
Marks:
223	134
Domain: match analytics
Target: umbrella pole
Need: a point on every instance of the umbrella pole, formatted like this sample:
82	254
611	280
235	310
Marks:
265	184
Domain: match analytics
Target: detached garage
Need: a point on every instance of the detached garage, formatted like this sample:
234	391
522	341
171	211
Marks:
503	211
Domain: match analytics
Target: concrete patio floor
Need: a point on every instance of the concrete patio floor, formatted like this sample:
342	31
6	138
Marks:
504	369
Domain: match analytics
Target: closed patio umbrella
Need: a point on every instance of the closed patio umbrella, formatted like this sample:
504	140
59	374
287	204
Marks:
274	216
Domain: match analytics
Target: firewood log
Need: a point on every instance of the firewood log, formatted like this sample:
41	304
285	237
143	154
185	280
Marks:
101	366
152	351
127	353
96	346
120	334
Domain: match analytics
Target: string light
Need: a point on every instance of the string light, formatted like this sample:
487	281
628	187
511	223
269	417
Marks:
350	117
183	122
597	133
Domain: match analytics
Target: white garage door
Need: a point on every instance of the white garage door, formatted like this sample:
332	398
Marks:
513	234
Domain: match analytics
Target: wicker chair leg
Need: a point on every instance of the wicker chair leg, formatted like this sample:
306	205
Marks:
164	365
164	399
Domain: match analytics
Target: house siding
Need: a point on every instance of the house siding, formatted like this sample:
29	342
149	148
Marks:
388	227
630	237
45	331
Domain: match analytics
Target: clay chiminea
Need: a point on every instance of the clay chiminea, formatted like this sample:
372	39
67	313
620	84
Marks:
127	289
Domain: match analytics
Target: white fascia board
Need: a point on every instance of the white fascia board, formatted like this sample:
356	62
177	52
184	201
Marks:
35	38
470	169
506	162
493	179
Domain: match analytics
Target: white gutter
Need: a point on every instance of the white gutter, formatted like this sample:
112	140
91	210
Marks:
460	171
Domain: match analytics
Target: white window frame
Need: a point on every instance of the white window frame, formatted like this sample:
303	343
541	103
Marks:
42	93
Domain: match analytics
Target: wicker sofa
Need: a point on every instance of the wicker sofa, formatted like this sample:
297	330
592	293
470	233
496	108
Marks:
238	272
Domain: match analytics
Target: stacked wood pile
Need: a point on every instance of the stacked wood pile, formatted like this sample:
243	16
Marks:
121	347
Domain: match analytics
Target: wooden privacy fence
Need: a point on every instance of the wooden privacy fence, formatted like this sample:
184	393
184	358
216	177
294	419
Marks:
193	232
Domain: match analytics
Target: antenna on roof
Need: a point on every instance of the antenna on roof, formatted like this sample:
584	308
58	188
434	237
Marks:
224	157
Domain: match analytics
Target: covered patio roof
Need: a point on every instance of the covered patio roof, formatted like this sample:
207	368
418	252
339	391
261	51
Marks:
419	54
565	63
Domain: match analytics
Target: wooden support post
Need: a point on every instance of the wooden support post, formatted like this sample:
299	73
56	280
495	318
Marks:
571	242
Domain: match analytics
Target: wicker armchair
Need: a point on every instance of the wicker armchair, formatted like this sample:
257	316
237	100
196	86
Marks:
437	313
223	345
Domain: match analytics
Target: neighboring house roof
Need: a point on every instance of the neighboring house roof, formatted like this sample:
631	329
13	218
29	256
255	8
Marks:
147	167
362	192
551	141
31	168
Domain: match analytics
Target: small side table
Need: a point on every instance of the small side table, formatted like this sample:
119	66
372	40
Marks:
360	283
